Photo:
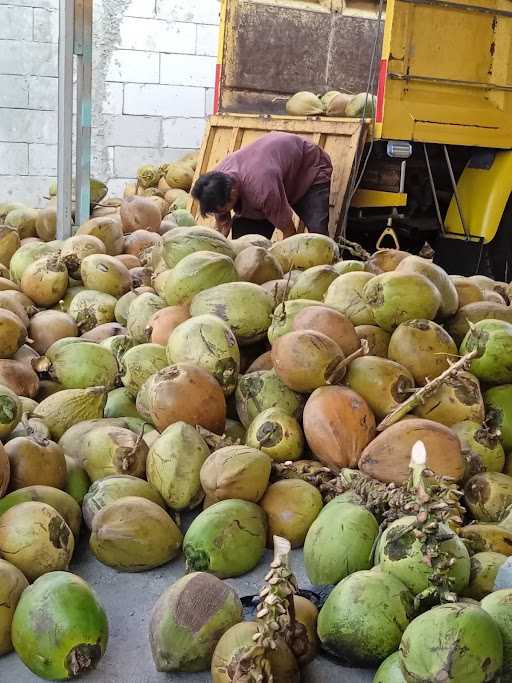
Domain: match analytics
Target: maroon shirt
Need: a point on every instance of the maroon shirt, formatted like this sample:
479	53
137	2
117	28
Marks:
274	173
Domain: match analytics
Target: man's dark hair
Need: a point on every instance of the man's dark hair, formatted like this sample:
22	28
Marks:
212	191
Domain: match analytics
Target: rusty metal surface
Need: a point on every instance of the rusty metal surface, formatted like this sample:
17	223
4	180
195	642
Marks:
273	51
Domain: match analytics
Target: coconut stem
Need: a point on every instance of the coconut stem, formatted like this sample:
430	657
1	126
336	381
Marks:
430	388
353	248
275	619
339	372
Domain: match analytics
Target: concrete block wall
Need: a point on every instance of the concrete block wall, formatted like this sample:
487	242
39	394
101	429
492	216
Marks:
153	80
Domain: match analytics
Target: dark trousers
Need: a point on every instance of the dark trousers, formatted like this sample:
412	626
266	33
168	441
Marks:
312	209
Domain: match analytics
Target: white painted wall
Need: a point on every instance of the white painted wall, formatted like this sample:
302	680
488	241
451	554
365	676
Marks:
154	72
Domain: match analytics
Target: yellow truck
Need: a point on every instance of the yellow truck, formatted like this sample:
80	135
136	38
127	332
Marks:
434	159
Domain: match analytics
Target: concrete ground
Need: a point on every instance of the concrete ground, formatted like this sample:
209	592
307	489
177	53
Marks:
129	599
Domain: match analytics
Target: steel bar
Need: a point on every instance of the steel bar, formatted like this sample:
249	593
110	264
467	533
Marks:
83	51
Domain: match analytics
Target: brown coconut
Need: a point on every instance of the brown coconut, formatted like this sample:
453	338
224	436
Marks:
105	274
385	260
9	243
330	322
140	213
12	333
257	265
165	321
36	461
423	347
468	291
129	261
9	302
262	362
5	471
186	393
305	360
25	354
387	457
338	424
138	241
19	377
377	338
109	230
141	277
7	285
105	331
46	224
47	327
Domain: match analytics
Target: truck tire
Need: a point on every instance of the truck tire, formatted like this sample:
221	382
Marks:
499	250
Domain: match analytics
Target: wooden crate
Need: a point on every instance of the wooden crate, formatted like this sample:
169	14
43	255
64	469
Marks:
342	139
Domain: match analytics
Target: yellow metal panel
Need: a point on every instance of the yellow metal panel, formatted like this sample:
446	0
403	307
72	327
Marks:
483	194
449	75
376	199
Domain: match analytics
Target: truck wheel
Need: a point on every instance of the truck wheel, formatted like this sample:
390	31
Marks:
499	250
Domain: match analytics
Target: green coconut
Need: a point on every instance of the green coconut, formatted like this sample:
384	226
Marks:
118	346
189	619
195	273
77	480
457	641
284	316
24	221
499	606
474	312
183	218
244	306
382	383
140	312
227	539
277	434
208	342
484	569
181	242
313	283
122	307
76	248
76	627
120	403
62	410
81	365
348	266
91	308
488	496
438	277
107	450
423	347
26	255
363	619
35	538
139	363
174	464
237	472
345	294
109	489
292	505
401	554
390	671
304	251
10	411
395	298
238	642
108	229
305	104
481	445
363	104
105	274
9	244
498	405
261	390
61	501
495	337
134	534
339	542
148	176
12	585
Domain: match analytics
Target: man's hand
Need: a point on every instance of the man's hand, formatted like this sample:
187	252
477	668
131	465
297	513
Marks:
223	223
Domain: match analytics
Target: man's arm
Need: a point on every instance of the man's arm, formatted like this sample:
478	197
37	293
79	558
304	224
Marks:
223	222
